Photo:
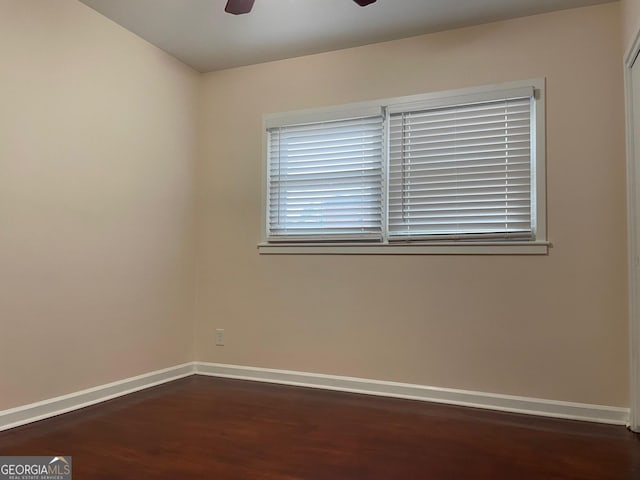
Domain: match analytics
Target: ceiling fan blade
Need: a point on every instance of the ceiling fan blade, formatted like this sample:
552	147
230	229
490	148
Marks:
364	3
239	7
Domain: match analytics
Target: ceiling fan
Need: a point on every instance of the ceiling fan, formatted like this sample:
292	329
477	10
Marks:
239	7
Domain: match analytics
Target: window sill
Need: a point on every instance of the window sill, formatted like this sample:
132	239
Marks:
439	248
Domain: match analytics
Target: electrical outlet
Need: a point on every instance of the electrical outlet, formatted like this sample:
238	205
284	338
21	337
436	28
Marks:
219	337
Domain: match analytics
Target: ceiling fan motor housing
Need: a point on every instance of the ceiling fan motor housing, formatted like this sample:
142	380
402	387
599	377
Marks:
240	7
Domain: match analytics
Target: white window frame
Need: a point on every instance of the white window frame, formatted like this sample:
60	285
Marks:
539	246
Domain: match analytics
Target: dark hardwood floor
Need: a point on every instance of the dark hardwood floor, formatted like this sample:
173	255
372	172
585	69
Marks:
207	428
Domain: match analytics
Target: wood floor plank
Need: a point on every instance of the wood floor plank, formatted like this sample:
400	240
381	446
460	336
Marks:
208	428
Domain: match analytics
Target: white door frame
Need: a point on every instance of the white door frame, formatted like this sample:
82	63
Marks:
633	239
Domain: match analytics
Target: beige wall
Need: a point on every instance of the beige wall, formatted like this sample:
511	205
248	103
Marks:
97	148
544	326
630	21
96	202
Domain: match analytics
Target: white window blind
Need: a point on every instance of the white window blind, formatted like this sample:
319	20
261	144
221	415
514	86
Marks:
325	180
461	172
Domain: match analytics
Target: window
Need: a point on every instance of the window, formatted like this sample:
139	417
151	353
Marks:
453	172
325	180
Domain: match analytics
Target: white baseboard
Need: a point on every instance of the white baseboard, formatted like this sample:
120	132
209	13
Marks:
33	412
504	403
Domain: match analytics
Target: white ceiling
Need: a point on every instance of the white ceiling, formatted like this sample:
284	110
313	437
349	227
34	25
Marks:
202	35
